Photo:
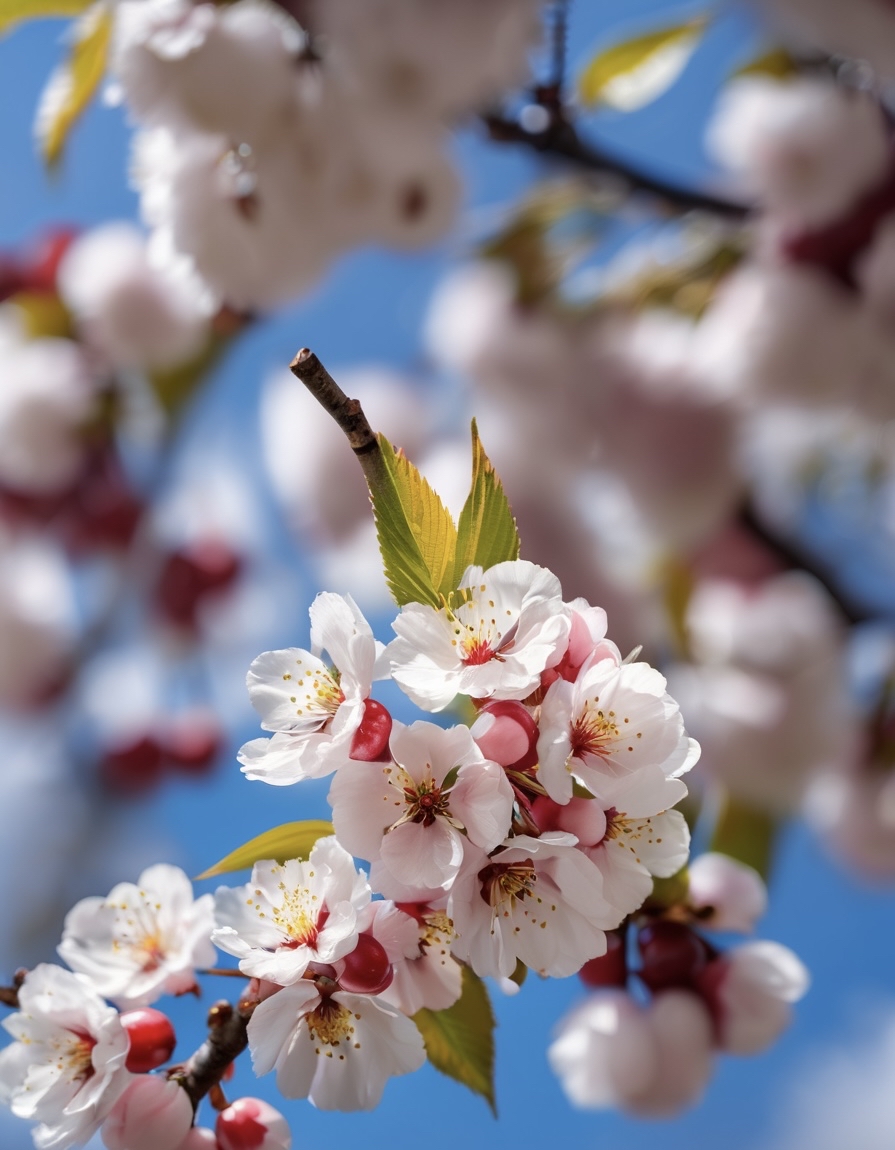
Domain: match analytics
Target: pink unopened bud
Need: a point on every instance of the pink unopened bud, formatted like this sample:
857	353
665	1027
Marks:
152	1113
584	818
152	1038
250	1124
370	742
507	734
726	894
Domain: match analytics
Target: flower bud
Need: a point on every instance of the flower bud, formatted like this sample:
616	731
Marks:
200	1138
370	742
151	1036
152	1113
250	1124
726	894
507	734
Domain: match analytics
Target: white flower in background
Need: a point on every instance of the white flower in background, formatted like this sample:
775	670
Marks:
432	978
314	710
509	627
414	813
338	1051
292	914
725	893
143	940
133	314
618	731
427	61
767	695
66	1068
197	66
806	148
37	619
649	1061
46	400
538	900
854	812
751	989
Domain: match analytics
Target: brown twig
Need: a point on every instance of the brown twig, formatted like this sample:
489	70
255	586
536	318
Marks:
9	995
347	413
227	1039
560	139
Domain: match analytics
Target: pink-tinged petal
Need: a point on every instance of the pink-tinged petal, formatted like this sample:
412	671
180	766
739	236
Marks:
274	1021
626	882
396	932
364	805
430	856
482	799
384	882
727	894
682	1032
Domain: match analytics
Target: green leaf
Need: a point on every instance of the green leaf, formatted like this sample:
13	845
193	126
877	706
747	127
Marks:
747	834
460	1040
13	12
71	87
669	892
486	533
417	536
635	72
776	63
175	386
289	841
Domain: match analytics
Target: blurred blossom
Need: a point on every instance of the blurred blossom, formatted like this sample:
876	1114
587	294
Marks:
865	30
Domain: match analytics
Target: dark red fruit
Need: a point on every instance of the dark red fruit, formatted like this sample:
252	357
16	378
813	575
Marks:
367	969
133	766
192	573
370	742
512	739
610	969
672	955
152	1039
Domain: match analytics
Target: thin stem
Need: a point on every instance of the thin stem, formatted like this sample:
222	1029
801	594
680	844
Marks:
559	44
560	139
347	413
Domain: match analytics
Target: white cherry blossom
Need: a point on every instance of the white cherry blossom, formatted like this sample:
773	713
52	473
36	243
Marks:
538	900
292	914
507	625
142	940
413	812
336	1051
618	731
431	978
313	709
725	893
66	1069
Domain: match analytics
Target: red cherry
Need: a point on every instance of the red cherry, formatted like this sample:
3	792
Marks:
133	766
12	277
672	955
192	743
152	1039
370	742
367	969
610	969
190	574
512	737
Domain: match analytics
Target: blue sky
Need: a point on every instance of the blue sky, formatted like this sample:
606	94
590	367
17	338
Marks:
370	309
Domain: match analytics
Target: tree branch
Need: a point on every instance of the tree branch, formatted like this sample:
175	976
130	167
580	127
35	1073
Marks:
559	139
227	1039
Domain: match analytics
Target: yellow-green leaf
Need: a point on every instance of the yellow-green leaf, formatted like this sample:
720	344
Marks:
460	1040
417	537
486	533
289	841
776	63
72	86
13	12
635	72
44	315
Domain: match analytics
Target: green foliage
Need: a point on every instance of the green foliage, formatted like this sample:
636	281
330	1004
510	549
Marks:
460	1040
289	841
72	86
14	12
486	533
423	552
634	72
747	834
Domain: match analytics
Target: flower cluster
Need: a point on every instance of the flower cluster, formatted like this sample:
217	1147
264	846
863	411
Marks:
644	1040
267	148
